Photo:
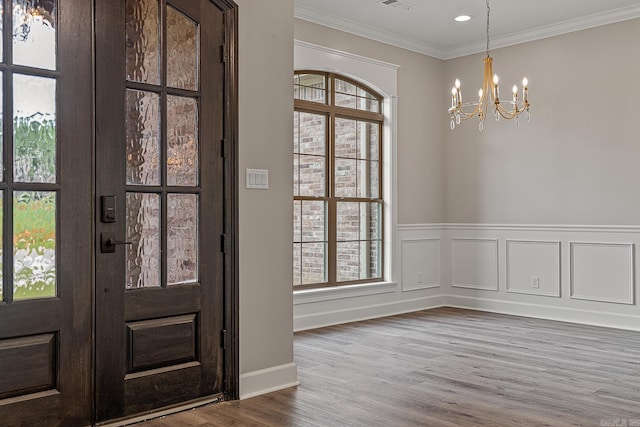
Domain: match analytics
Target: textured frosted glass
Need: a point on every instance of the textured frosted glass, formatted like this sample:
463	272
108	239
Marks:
34	129
34	33
34	250
182	141
142	41
182	50
143	137
182	238
143	229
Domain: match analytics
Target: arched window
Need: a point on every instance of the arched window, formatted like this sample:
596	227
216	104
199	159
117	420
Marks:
337	203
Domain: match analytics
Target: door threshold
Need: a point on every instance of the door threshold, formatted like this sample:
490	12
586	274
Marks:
162	411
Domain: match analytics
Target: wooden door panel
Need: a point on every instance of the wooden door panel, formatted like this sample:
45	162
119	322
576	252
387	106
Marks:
45	338
28	364
160	302
158	339
162	342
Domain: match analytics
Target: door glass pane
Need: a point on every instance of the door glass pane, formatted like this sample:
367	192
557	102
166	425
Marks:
34	33
182	141
182	50
143	42
143	229
182	238
34	129
34	250
143	137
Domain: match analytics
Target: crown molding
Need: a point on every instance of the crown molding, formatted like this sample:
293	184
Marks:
364	30
397	40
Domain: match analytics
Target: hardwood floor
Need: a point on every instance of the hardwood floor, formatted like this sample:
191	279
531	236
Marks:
448	367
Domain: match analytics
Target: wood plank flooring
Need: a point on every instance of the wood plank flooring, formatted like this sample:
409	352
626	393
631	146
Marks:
448	367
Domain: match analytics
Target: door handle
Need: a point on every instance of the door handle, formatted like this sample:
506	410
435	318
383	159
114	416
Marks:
108	243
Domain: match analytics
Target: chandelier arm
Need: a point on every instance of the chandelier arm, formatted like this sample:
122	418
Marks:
466	116
510	114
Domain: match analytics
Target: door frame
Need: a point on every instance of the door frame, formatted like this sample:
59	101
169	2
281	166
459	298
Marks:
229	54
231	197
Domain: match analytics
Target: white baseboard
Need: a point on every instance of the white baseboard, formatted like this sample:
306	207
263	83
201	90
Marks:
268	380
538	311
355	314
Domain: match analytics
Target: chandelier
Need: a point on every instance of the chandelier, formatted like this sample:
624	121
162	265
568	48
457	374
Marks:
489	97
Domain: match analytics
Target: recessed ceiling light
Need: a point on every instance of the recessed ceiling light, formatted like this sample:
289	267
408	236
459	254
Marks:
462	18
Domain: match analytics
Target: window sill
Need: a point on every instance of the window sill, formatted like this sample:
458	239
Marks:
309	296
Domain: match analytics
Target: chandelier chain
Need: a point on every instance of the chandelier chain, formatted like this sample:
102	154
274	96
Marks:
488	11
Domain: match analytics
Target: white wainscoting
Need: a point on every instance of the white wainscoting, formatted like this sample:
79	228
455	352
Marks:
528	260
420	259
602	272
586	274
474	263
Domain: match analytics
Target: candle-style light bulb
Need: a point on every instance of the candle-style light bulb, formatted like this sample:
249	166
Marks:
515	96
495	79
496	93
525	89
515	89
480	93
525	83
457	83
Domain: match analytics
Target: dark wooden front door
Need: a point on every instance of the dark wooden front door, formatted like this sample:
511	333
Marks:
160	205
45	211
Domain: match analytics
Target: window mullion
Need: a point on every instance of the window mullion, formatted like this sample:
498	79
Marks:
332	208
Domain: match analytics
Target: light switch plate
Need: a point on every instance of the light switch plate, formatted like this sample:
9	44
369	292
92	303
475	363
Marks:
257	179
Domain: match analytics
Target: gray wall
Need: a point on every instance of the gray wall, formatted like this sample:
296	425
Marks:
266	129
577	161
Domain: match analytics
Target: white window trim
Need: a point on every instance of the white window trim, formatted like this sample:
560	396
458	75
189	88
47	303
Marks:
383	78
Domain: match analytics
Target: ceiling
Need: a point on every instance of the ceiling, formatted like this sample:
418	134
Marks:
427	26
